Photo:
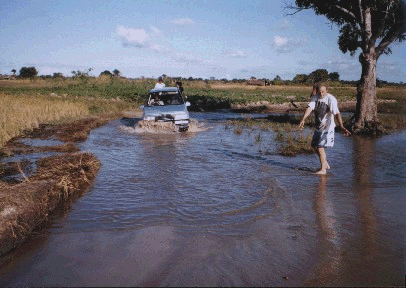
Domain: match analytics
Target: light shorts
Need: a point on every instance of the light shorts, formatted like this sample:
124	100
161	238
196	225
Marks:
323	139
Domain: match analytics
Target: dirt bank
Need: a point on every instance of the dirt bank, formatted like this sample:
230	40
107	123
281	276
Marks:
292	107
26	204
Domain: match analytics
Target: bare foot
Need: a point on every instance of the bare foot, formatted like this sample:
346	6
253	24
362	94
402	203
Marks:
321	172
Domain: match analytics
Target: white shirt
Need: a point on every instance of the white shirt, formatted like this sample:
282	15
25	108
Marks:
159	85
324	111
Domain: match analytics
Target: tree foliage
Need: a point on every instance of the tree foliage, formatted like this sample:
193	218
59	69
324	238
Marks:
116	72
82	74
353	17
300	78
319	75
28	72
334	76
106	72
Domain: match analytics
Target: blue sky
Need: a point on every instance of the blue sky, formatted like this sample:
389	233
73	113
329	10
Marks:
201	38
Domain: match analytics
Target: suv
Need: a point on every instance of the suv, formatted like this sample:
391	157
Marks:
167	105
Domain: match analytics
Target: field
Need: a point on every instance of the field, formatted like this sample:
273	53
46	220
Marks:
26	103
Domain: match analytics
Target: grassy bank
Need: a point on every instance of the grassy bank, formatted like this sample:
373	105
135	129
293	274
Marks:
22	112
25	206
26	202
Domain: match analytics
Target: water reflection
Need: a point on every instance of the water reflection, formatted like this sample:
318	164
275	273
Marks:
330	244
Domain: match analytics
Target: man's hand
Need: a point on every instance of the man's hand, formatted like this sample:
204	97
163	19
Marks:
345	131
301	124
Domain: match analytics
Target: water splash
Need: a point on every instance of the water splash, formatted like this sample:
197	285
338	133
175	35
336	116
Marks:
153	127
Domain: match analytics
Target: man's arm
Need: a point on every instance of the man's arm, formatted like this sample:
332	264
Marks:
340	122
306	114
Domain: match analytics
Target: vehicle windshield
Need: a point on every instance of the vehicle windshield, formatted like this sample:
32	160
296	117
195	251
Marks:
164	98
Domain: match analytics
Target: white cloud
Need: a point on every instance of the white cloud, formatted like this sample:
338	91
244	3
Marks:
186	58
139	38
286	45
155	30
158	48
133	37
236	54
279	41
183	21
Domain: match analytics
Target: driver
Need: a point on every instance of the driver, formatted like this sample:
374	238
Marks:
155	101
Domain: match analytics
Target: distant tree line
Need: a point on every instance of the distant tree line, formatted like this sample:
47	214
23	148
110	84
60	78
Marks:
319	75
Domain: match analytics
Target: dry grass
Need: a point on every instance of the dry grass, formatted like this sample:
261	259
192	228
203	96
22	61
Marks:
18	113
24	206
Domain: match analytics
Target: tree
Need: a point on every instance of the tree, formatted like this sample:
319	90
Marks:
106	72
14	71
300	78
319	75
82	74
277	78
57	75
28	72
371	26
116	73
334	76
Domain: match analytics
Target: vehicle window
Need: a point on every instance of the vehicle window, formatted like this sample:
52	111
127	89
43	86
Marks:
164	98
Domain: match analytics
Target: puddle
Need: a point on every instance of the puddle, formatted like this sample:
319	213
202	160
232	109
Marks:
40	142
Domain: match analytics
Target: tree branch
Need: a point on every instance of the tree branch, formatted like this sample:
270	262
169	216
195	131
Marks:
346	11
389	38
352	15
295	8
360	12
383	22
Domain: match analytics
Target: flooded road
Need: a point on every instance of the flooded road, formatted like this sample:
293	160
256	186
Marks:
210	208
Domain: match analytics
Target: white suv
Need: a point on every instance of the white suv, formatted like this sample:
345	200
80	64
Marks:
168	105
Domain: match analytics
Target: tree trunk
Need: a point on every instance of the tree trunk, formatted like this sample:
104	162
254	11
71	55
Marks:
365	120
366	112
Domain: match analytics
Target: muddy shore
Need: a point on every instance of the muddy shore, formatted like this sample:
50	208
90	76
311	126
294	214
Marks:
26	201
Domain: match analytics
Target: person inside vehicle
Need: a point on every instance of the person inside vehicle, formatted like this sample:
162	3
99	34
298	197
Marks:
155	101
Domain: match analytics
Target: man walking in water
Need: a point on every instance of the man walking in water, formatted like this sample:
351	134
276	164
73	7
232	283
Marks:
325	107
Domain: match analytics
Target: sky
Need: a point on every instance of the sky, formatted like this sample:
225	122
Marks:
199	39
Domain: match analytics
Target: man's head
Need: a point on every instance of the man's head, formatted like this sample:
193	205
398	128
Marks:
322	90
160	79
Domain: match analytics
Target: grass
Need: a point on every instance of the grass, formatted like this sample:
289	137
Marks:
19	113
24	206
290	140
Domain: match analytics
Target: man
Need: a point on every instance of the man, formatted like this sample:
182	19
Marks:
160	83
325	107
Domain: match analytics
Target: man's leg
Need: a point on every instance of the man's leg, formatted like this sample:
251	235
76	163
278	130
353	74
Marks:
323	160
316	149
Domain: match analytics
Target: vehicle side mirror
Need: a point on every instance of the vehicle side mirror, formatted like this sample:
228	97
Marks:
187	103
142	107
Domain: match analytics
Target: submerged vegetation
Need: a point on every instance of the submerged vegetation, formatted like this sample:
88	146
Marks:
287	137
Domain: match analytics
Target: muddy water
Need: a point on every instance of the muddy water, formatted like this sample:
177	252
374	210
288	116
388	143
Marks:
211	208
